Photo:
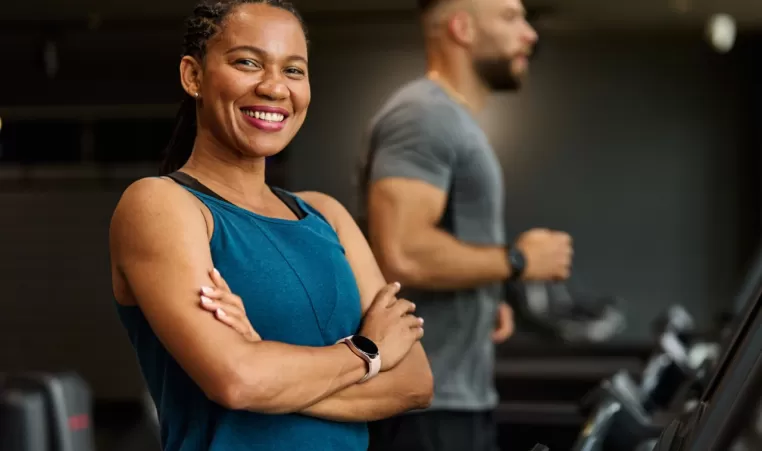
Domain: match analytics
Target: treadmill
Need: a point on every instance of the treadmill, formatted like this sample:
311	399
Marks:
620	421
733	394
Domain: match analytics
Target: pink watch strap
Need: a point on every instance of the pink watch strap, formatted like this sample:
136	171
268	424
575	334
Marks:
374	364
374	367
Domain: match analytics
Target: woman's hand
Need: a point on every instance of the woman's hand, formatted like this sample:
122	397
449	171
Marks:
389	323
227	307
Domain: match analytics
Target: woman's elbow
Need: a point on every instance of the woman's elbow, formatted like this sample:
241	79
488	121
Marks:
228	391
420	390
234	392
424	393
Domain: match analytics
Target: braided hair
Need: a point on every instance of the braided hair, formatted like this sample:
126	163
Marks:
205	22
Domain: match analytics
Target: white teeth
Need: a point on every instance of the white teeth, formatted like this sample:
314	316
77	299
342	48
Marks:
269	117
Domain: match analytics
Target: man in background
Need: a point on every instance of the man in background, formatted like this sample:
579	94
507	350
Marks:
435	217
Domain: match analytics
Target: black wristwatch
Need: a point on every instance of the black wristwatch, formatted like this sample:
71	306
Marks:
517	262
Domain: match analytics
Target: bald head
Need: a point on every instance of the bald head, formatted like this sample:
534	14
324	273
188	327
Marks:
494	34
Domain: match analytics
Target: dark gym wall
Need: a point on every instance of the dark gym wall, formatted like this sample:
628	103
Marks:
627	145
623	142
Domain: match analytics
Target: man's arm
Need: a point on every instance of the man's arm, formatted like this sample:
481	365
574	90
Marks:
414	151
160	248
407	386
403	218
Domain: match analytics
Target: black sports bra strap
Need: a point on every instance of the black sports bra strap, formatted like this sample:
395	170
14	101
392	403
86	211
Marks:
186	180
290	202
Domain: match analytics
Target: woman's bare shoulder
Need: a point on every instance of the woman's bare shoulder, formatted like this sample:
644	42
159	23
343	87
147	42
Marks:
156	205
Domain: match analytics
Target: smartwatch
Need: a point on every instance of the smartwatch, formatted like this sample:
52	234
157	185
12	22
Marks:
364	348
517	262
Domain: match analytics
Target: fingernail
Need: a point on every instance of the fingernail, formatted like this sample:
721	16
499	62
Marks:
221	313
205	300
207	291
420	320
216	271
397	284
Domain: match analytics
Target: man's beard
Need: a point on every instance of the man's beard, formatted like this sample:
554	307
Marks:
497	73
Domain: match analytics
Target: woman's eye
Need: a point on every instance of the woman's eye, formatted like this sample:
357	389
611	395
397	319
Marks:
247	63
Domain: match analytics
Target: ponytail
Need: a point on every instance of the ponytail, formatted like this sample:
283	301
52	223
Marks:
184	135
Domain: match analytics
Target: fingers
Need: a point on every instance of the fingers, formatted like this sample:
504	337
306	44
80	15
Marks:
219	282
386	295
222	296
232	316
563	237
403	307
219	308
565	254
500	336
413	322
213	299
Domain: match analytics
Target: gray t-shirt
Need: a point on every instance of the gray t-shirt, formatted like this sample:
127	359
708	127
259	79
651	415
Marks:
422	133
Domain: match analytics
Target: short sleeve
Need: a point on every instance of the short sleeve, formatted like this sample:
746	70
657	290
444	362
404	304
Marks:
411	141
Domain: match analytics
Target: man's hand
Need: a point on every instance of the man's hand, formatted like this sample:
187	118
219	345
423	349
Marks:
548	254
504	326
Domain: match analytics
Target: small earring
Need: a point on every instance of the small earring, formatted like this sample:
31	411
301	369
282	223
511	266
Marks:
195	95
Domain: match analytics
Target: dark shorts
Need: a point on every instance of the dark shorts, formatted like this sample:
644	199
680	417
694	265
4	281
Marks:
435	431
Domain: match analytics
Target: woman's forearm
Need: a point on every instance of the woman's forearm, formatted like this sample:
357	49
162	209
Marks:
278	378
408	386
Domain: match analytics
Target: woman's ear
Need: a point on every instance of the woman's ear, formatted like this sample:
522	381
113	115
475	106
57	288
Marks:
190	76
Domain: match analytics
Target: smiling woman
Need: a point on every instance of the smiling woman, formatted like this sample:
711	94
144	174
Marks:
302	341
238	57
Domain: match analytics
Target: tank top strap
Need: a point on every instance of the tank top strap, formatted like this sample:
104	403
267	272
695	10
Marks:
289	199
304	205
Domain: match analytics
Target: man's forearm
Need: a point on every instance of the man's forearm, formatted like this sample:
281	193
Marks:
436	260
408	386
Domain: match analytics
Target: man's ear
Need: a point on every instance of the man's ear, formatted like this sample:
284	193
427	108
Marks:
462	28
190	75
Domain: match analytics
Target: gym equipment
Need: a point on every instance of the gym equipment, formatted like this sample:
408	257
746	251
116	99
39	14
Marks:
624	414
675	362
619	420
551	309
720	418
45	412
673	378
731	398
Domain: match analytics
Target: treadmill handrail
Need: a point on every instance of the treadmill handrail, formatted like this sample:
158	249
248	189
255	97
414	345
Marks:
749	295
736	382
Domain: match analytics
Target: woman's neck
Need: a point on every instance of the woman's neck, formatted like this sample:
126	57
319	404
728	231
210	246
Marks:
230	175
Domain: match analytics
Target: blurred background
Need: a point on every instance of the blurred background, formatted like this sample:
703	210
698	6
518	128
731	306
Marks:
634	133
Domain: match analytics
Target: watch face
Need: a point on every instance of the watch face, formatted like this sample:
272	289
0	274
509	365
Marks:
365	345
516	260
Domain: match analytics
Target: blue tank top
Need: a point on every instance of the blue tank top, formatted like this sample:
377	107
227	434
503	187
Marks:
298	288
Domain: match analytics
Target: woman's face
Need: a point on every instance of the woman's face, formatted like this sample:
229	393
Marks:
253	84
